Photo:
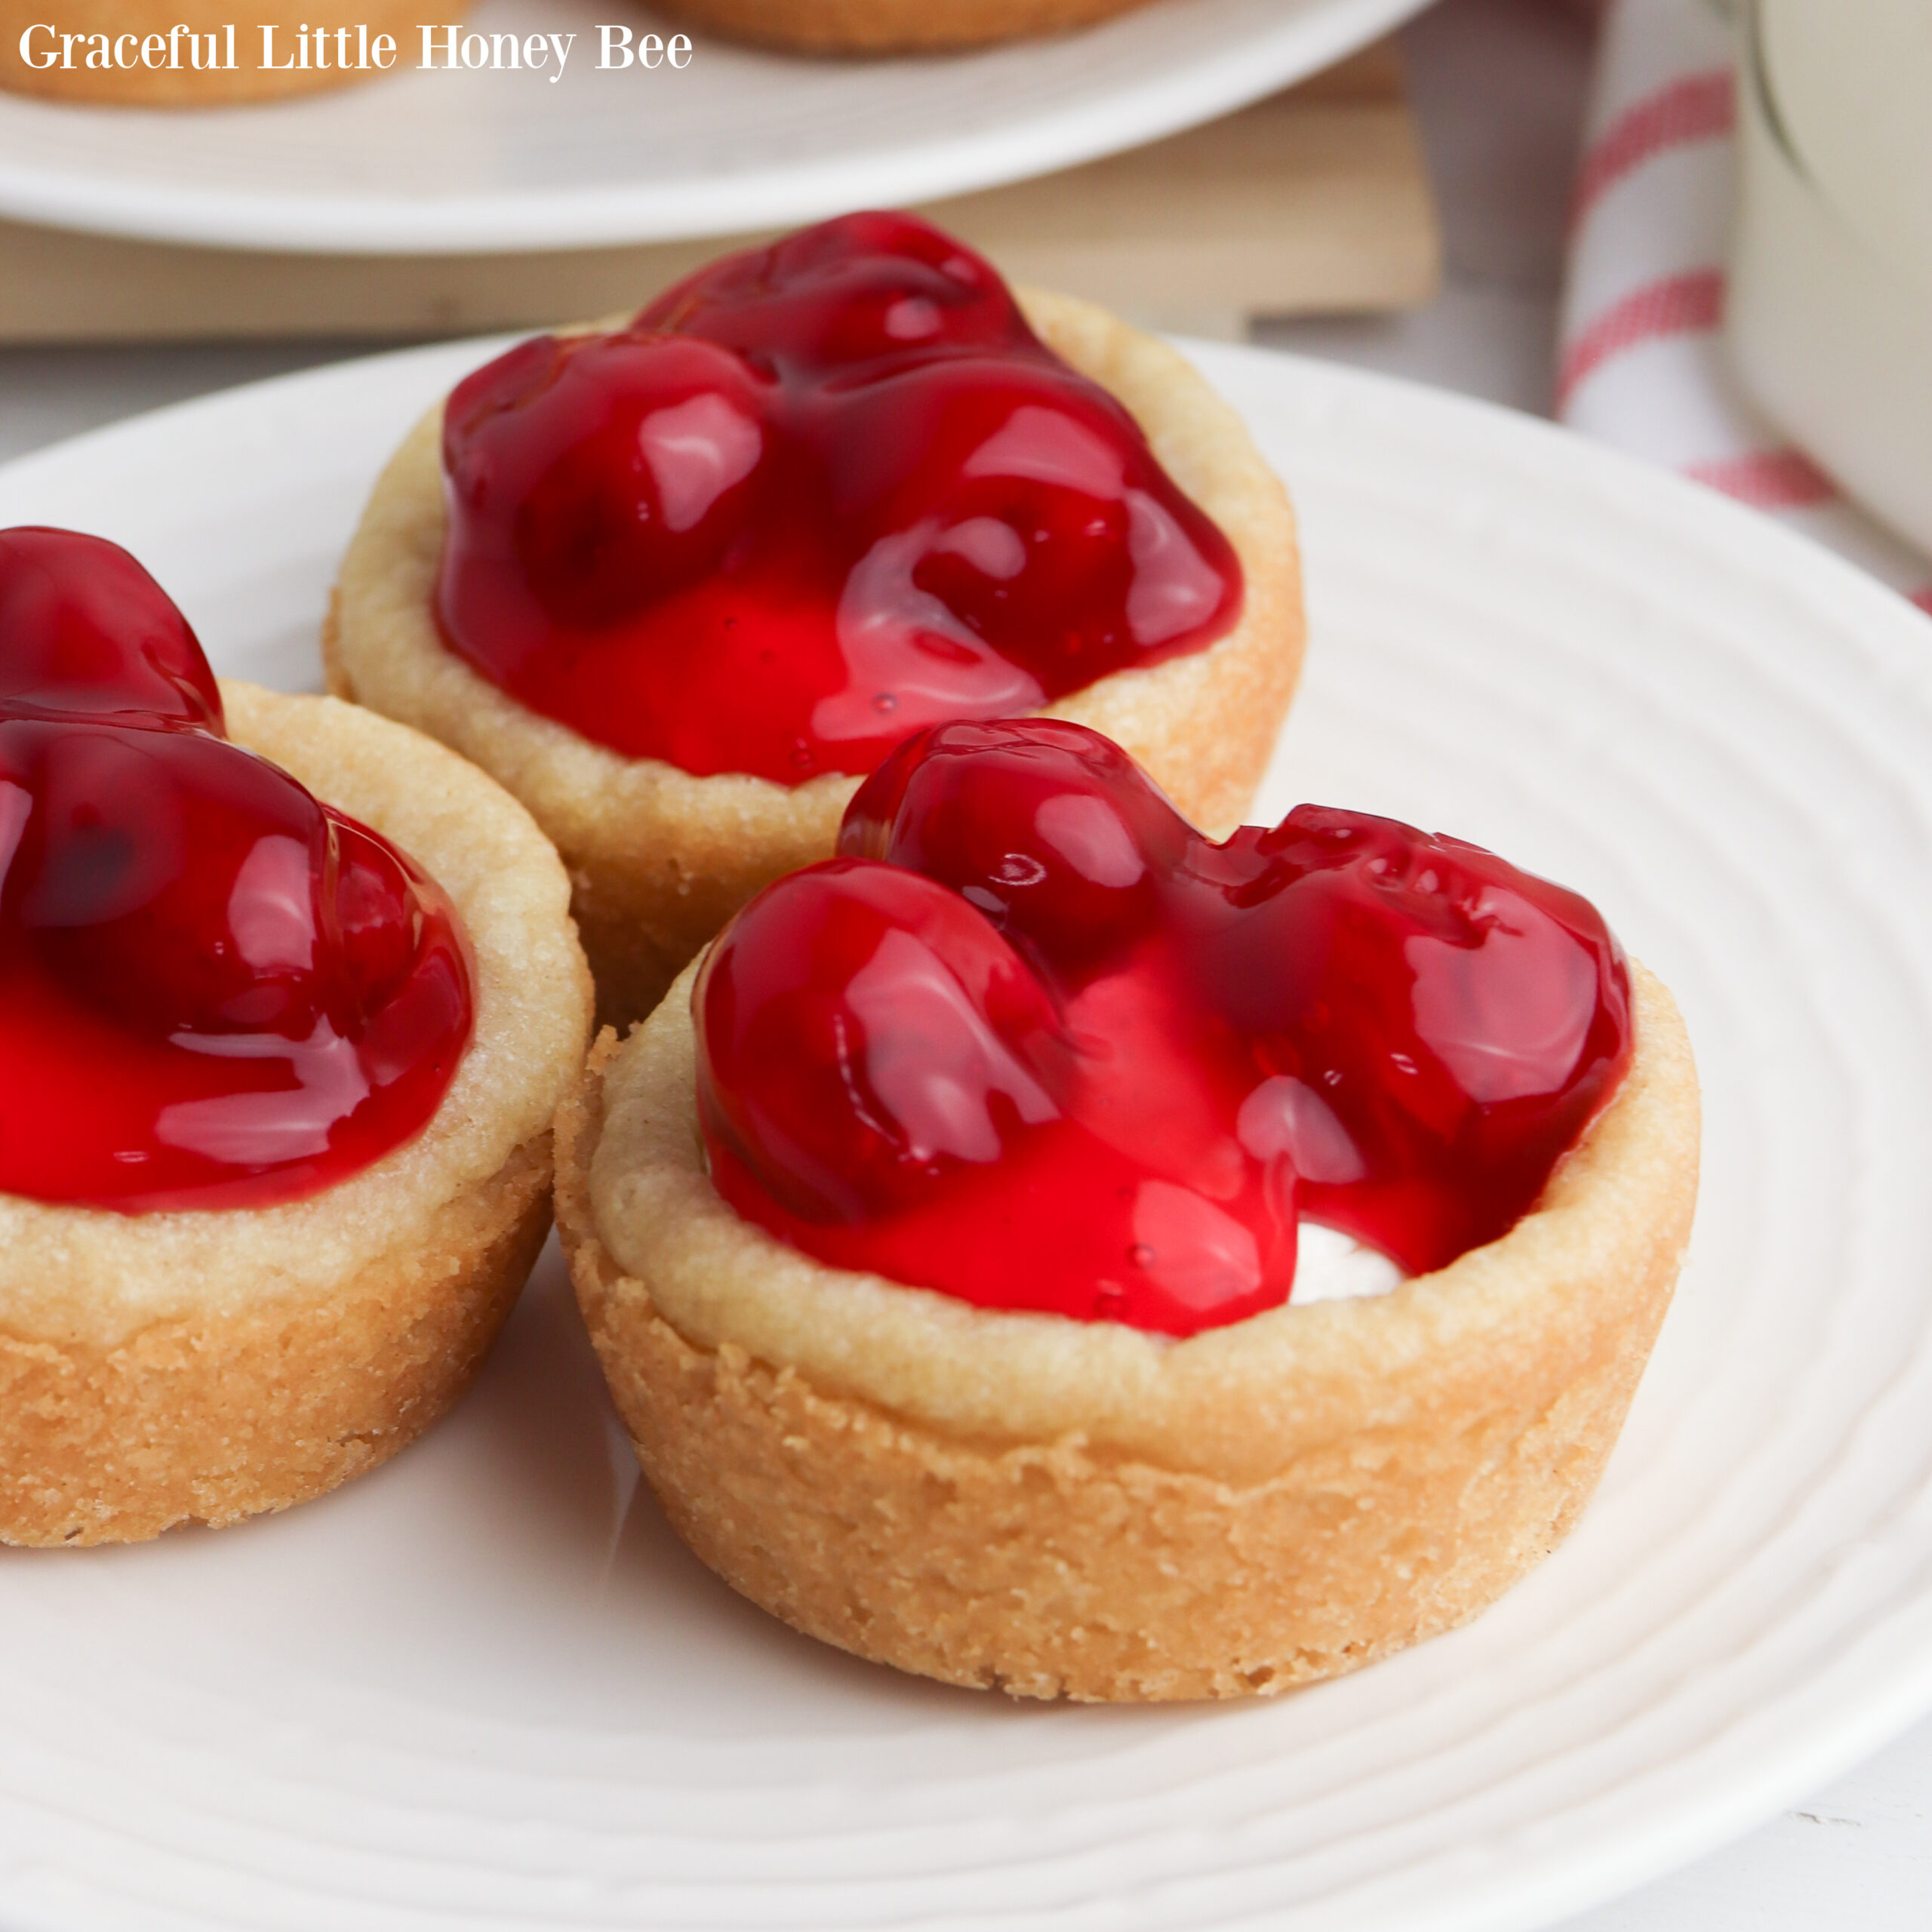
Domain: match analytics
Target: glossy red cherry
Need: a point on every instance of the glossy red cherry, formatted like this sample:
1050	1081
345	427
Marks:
598	475
1028	511
863	290
215	992
1459	1021
817	495
1053	833
1397	1035
102	641
961	1038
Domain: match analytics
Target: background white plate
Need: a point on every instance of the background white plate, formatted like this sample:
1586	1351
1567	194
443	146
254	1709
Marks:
437	163
486	1686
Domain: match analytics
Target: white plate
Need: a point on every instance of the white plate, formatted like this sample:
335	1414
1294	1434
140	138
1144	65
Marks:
484	1685
442	162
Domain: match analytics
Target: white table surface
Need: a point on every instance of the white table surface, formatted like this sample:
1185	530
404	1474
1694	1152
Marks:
1499	85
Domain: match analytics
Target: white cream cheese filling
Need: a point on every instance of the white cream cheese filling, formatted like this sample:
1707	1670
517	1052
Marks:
1333	1266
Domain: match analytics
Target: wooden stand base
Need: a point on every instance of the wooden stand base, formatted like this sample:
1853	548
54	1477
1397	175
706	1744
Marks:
1315	201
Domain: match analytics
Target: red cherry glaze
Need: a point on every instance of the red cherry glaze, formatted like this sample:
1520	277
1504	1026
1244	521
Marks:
1035	1042
214	991
817	495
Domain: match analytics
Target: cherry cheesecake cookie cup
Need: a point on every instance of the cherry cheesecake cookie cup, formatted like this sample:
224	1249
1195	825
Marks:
993	515
1119	1443
177	53
274	1147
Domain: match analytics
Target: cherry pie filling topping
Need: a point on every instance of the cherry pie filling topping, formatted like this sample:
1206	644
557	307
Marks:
215	992
1032	1040
816	497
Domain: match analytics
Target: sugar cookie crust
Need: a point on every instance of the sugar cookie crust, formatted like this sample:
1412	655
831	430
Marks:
1063	1508
157	1368
659	860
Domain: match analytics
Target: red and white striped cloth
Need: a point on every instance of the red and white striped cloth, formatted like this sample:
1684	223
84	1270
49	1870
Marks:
1642	361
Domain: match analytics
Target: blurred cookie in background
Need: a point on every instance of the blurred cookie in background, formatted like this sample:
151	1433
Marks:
197	53
891	27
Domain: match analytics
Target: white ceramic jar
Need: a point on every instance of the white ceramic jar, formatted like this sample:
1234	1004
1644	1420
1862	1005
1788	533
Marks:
1831	288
